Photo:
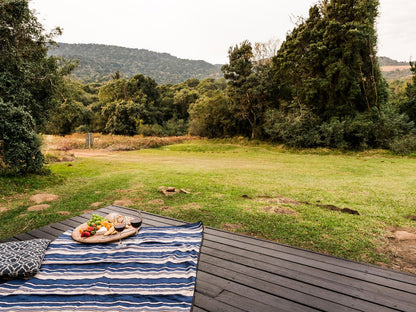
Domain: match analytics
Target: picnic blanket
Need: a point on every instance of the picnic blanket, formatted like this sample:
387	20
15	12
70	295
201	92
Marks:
155	272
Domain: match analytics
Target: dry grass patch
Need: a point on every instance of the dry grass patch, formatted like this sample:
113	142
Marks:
104	143
40	198
38	207
123	202
280	210
231	227
97	204
156	202
192	206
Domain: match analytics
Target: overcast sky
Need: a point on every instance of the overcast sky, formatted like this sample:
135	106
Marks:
205	29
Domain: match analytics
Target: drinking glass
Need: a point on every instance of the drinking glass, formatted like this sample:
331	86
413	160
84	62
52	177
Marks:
120	225
136	221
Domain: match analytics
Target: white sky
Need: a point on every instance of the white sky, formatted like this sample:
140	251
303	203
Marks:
205	29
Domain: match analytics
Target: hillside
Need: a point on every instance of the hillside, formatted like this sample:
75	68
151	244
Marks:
98	62
394	70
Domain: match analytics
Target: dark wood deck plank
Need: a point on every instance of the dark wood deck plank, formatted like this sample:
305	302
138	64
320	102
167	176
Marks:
213	286
24	236
395	280
240	273
306	275
232	239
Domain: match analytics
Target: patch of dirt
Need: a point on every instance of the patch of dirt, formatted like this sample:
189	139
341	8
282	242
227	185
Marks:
192	206
279	200
288	201
280	210
90	152
401	246
40	198
87	211
64	213
123	202
231	227
165	208
96	204
38	207
3	209
124	191
335	208
156	202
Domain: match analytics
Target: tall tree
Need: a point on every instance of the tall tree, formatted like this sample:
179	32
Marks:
28	86
28	78
328	63
409	103
246	86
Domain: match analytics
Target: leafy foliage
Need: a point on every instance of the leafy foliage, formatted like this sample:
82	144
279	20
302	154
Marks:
248	86
328	62
19	144
409	103
29	83
28	77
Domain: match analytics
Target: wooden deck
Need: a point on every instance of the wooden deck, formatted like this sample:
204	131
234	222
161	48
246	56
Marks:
240	273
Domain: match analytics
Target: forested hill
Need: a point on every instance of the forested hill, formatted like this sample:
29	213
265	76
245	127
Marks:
98	62
386	61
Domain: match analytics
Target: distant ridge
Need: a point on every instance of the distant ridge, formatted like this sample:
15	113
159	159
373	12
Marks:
98	62
386	61
394	70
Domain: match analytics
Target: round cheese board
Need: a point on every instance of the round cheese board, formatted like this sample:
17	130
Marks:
99	237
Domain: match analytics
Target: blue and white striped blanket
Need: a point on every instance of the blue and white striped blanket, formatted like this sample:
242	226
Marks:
156	272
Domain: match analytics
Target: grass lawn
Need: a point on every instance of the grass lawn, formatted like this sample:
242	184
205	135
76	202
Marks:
237	188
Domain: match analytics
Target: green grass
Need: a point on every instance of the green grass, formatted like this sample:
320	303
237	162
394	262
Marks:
379	186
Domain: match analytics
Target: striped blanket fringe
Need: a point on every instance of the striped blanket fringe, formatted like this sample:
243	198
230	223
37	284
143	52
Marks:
155	272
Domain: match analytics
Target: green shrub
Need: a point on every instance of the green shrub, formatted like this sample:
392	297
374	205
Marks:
294	125
20	146
151	130
404	145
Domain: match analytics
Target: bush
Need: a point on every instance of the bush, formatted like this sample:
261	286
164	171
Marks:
20	146
391	125
151	130
404	145
294	125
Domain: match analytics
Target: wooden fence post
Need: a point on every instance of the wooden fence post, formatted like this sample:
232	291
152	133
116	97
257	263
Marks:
89	140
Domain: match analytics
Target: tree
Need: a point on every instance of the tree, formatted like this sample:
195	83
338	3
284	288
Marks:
127	104
28	78
28	85
409	103
247	86
211	116
19	144
329	61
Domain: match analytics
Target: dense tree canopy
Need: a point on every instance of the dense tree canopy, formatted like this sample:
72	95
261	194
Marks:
28	77
328	63
322	87
29	83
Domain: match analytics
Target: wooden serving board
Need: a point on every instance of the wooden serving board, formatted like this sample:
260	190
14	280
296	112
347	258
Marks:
98	238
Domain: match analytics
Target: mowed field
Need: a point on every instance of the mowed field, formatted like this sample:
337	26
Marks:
296	198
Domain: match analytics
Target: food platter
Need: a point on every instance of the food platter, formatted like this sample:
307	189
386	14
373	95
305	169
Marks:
99	236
